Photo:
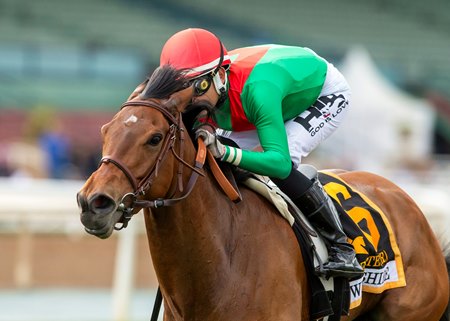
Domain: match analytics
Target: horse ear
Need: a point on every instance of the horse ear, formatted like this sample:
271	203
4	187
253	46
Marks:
138	90
178	101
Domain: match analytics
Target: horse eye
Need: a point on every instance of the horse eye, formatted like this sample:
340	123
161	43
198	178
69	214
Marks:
155	140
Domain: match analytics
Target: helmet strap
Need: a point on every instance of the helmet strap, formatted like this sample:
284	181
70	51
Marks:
219	65
221	87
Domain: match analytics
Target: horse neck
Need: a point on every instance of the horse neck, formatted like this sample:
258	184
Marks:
197	223
190	239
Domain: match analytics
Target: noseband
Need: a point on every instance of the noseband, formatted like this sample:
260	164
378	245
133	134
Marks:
141	186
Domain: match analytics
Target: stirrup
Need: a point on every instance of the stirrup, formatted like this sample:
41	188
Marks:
349	274
347	270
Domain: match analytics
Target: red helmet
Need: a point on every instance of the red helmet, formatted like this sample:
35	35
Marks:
196	49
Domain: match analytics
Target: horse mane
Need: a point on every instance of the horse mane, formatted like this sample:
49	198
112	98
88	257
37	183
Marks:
190	115
165	81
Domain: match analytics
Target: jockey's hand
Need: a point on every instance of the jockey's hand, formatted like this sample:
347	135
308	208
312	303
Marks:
211	141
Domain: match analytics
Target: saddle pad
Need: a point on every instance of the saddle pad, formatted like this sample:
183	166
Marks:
372	237
263	186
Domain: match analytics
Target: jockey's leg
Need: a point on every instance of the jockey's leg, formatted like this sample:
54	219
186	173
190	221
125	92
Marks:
312	200
309	196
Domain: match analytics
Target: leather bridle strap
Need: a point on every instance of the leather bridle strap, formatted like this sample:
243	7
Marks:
171	118
199	162
123	168
196	172
145	183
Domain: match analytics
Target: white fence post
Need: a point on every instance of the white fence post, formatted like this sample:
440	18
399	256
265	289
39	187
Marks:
23	266
124	272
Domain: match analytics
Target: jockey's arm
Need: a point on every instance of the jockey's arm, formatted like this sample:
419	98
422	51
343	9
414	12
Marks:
263	109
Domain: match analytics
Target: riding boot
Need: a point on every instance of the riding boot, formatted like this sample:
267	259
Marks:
321	212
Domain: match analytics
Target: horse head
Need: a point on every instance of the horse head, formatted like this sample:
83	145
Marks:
144	154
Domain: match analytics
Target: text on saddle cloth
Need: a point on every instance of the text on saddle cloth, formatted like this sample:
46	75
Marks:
366	226
370	234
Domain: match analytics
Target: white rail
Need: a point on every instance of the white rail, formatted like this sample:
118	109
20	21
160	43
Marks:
45	206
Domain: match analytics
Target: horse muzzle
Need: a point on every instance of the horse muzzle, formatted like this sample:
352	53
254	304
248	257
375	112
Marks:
99	214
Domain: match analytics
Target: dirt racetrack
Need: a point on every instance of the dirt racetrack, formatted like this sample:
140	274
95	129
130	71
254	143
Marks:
62	260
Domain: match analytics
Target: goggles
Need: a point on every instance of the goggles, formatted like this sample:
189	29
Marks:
201	85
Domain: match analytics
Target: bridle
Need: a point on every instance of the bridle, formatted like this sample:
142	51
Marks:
140	187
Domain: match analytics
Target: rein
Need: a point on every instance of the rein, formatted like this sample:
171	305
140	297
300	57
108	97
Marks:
141	186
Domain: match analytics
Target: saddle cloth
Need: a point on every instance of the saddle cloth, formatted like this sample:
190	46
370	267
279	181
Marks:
367	229
372	237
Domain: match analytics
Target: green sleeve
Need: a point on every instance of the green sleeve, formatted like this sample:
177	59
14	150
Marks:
264	110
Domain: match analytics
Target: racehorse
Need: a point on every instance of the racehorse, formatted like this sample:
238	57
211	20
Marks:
219	260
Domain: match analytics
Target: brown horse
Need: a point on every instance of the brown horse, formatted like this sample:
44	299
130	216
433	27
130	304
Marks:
218	260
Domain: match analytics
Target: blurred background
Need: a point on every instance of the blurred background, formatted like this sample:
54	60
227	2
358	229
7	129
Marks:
66	67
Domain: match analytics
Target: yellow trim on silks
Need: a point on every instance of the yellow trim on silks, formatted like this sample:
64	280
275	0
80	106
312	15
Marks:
401	281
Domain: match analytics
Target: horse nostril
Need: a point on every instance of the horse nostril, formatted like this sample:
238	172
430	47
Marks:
102	204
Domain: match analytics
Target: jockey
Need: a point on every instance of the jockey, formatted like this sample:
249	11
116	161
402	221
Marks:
284	99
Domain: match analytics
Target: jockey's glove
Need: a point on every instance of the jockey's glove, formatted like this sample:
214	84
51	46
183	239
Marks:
210	139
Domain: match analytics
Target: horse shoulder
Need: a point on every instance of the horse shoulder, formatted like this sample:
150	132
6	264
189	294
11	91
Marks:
269	250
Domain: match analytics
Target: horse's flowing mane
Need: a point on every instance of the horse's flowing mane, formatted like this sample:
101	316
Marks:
164	81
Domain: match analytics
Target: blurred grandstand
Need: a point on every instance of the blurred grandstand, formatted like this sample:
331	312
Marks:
89	55
83	54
